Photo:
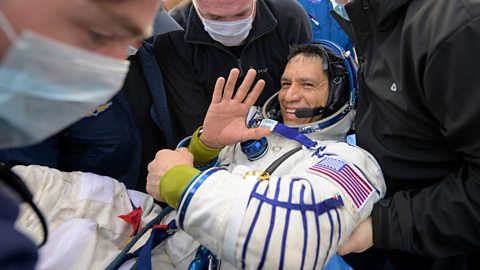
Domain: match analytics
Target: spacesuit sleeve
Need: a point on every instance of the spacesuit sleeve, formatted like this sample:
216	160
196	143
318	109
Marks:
203	155
288	221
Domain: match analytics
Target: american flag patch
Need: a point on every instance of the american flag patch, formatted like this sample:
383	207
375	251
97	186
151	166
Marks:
355	186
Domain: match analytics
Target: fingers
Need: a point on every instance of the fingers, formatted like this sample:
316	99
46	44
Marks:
256	133
231	81
218	90
245	86
185	152
360	240
348	247
225	91
257	90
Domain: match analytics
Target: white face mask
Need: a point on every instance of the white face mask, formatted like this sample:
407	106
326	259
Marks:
229	33
46	85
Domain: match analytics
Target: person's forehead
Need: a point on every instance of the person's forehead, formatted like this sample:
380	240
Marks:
128	14
223	8
306	64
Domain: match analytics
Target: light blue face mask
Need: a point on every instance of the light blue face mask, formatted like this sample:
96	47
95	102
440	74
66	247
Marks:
46	85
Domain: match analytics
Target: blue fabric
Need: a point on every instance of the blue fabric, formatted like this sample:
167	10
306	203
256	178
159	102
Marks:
293	134
319	208
16	250
270	229
351	139
158	235
337	263
285	230
160	111
323	24
331	235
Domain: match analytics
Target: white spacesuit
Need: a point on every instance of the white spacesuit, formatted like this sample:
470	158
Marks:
82	212
298	215
285	202
292	203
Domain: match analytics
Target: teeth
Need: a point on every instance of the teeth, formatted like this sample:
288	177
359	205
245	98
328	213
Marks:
290	110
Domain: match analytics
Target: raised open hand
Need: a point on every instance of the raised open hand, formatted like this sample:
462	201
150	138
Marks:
224	123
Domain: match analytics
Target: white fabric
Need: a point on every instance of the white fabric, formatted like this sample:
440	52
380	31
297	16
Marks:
81	210
237	214
66	243
211	208
96	188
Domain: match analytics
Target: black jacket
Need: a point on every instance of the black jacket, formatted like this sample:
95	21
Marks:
419	115
192	61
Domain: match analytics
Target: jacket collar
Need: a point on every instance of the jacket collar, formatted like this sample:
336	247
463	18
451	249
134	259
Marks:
263	23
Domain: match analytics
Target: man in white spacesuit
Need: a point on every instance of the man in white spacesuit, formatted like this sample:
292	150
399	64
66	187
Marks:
289	199
315	190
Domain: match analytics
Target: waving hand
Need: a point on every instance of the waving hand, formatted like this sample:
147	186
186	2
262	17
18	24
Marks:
224	123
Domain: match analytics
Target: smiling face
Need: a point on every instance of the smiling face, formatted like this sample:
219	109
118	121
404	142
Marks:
103	26
304	84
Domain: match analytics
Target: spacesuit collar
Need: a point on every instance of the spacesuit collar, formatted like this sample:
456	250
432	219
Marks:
333	127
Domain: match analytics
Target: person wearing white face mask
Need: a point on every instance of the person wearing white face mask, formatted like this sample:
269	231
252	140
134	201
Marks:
220	35
229	33
58	60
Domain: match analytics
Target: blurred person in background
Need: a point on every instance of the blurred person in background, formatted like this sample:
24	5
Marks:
59	60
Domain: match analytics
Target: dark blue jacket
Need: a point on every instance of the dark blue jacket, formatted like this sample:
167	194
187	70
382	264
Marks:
16	250
111	142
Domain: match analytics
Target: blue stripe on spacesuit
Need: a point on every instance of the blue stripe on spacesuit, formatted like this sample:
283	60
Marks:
317	227
339	227
254	222
285	229
305	228
272	224
197	181
319	208
331	239
293	134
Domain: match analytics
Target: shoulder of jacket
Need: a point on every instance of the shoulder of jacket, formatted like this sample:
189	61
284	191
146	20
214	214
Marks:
181	14
279	8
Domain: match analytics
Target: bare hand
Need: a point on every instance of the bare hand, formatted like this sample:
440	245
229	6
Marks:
360	240
224	123
164	160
